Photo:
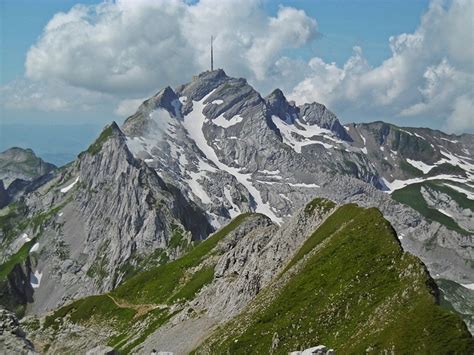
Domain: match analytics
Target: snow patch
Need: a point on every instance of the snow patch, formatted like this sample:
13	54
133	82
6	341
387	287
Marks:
363	149
183	161
235	210
409	133
455	160
469	286
35	279
425	168
284	197
304	185
196	187
70	186
270	172
34	248
194	183
288	130
399	184
449	140
221	121
444	212
217	102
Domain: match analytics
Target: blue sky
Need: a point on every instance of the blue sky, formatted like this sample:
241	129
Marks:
344	24
22	23
406	62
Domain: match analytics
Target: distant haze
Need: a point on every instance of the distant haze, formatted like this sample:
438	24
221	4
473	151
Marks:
57	144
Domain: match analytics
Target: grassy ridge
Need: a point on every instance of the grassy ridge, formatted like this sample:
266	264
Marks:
331	225
359	291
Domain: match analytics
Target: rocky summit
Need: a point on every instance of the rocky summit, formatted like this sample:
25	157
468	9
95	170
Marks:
18	163
21	171
251	225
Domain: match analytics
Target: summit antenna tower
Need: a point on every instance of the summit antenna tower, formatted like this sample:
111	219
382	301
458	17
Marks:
212	54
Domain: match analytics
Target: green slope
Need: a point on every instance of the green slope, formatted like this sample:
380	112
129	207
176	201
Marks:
411	195
352	288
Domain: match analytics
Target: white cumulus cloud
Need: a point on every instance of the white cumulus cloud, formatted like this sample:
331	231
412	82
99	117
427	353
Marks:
430	74
133	47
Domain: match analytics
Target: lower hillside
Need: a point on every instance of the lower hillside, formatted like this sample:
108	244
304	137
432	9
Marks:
352	288
125	317
331	275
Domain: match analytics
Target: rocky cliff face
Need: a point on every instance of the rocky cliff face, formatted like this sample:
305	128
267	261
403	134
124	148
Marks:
16	289
4	197
99	219
12	337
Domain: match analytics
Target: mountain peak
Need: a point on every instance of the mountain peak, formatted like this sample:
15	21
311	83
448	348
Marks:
20	163
217	74
279	105
277	94
203	84
317	114
110	131
18	152
115	129
140	122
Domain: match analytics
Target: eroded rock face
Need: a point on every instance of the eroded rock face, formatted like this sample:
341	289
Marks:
13	339
4	197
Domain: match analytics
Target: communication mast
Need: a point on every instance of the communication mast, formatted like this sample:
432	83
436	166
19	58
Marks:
212	54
